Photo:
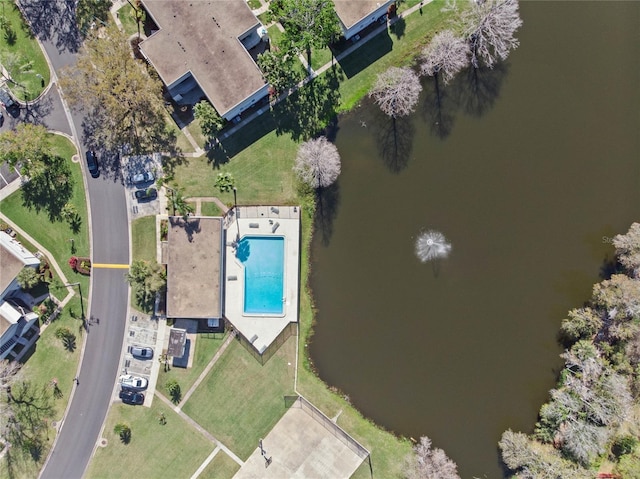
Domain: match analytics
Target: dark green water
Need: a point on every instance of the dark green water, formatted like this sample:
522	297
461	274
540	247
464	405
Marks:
525	192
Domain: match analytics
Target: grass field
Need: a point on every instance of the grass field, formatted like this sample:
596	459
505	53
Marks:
30	59
209	208
241	400
171	450
143	238
222	467
205	349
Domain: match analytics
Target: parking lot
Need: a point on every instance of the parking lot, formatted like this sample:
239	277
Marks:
137	165
146	332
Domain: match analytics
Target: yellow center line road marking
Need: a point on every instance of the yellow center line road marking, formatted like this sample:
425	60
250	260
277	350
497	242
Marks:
112	266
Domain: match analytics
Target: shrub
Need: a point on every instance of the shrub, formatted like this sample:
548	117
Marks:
624	445
73	263
124	431
174	390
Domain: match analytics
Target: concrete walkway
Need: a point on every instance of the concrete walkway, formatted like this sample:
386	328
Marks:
206	199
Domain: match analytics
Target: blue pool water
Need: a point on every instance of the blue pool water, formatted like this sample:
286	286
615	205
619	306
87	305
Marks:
263	260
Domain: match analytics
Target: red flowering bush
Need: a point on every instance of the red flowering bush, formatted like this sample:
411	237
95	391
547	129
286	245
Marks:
73	262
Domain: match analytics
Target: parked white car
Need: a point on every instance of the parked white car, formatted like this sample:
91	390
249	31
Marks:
133	382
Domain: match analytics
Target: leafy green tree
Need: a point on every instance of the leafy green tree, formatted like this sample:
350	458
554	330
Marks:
122	101
307	24
581	323
210	121
124	431
27	278
25	146
50	186
147	279
279	69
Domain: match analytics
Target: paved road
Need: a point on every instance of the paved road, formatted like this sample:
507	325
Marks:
53	24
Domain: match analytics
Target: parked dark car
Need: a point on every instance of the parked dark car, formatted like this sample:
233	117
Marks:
6	100
131	397
92	163
146	194
141	352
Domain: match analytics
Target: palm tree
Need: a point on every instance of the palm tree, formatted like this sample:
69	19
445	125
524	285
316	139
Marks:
179	204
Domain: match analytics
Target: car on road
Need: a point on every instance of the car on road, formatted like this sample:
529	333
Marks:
6	100
147	194
129	381
92	163
142	178
131	397
141	352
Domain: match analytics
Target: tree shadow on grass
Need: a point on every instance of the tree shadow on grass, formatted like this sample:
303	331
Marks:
50	190
310	109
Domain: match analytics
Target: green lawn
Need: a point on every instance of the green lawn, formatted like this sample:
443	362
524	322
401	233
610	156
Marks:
196	132
30	56
240	401
171	450
205	348
127	18
55	236
209	208
320	56
221	467
143	238
263	172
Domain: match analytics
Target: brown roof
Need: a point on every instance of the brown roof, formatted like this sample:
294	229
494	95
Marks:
194	267
351	12
10	266
202	37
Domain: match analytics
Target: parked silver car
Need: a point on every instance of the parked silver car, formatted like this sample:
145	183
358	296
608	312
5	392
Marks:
133	382
141	352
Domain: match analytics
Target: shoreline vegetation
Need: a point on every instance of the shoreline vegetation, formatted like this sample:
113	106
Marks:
591	423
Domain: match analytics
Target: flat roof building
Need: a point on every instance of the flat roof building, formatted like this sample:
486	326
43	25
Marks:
194	267
201	49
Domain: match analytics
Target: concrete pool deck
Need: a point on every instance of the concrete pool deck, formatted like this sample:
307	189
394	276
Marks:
267	221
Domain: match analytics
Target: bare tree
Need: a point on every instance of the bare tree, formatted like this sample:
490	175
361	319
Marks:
628	249
535	461
584	440
445	56
318	163
430	463
396	91
490	28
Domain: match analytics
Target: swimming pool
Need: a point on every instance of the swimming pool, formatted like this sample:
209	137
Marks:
263	261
